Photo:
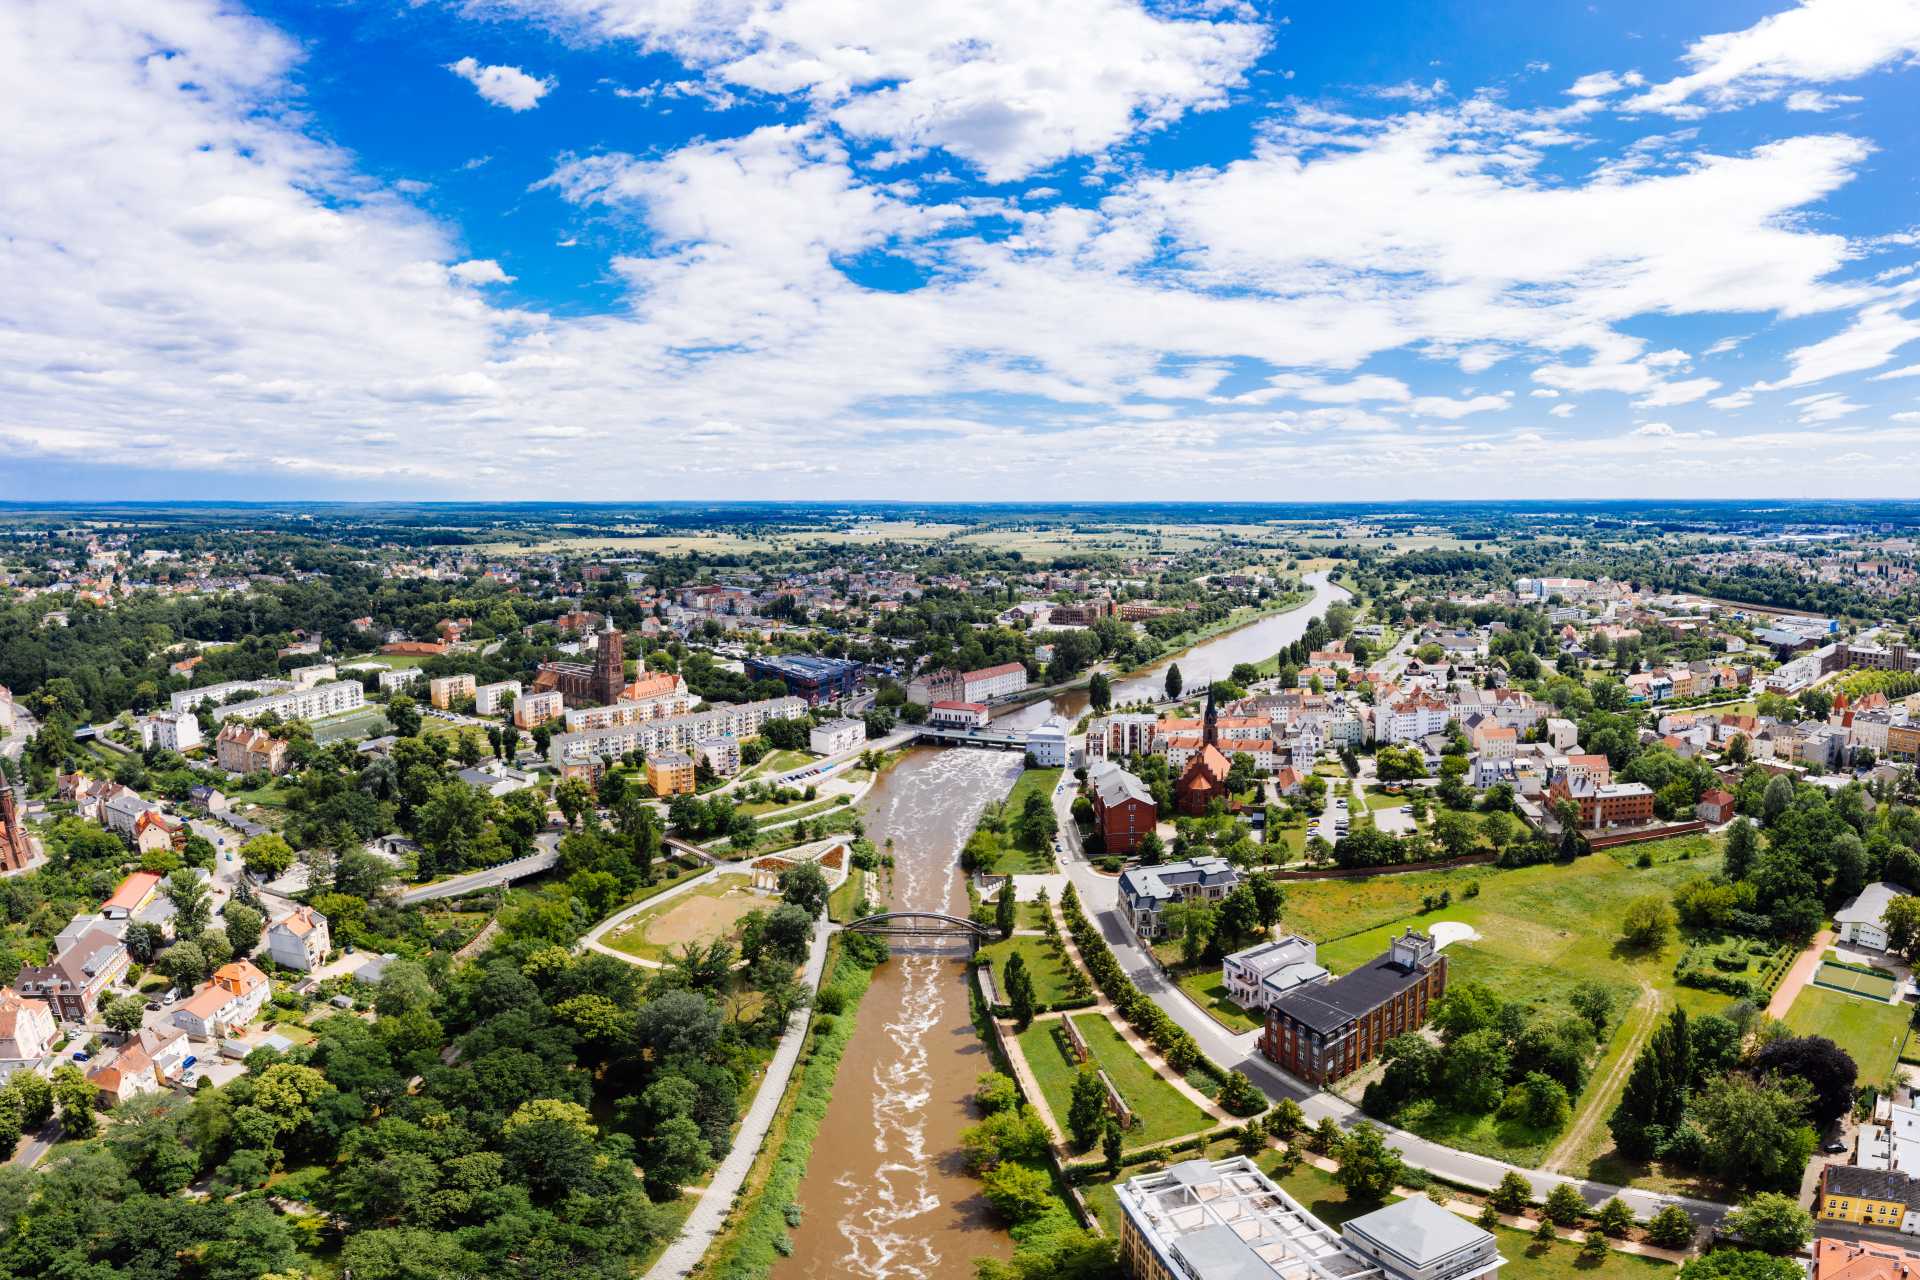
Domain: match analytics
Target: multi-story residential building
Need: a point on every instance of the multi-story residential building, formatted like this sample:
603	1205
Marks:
239	749
227	1001
809	676
1145	892
300	704
1123	808
535	709
836	736
27	1031
672	733
154	831
188	699
657	705
943	685
1409	716
490	699
299	939
391	680
444	691
308	677
170	731
72	982
958	715
1884	1198
1261	974
991	683
670	773
720	755
1118	736
1226	1220
152	1060
1325	1031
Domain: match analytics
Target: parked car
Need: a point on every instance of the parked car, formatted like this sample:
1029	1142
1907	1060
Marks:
153	1006
82	1056
1834	1148
170	997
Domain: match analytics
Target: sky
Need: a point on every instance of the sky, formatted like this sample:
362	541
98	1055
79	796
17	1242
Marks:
958	249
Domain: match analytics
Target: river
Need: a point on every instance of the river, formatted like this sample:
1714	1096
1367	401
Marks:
885	1196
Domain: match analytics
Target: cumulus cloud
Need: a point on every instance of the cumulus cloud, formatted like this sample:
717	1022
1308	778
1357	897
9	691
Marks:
1877	332
1006	85
508	87
479	271
1820	42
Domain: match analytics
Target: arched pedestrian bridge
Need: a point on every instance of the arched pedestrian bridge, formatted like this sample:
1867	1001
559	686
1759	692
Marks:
920	924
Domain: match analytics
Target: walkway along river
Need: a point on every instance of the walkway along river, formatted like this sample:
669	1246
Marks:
885	1195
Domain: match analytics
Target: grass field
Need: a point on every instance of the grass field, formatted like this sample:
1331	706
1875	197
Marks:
843	900
711	911
367	722
1049	972
1162	1111
1542	929
1874	986
1209	990
1009	857
1868	1029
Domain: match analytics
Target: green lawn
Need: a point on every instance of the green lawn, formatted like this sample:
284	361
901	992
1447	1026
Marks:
1031	915
1867	1029
708	911
1031	780
844	899
1049	972
1162	1112
1008	857
1874	986
1209	990
1542	930
367	722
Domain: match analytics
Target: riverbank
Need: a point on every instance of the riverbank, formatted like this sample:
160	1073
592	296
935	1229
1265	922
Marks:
766	1208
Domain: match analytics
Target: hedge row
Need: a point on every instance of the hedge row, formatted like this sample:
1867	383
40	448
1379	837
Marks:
1149	1019
763	1238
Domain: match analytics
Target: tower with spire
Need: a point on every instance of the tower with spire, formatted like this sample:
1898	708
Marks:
609	665
1210	723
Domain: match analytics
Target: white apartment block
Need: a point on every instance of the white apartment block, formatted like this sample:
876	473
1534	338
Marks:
636	712
488	698
535	709
171	731
318	673
391	680
836	736
1409	717
301	704
1129	733
673	733
188	699
989	683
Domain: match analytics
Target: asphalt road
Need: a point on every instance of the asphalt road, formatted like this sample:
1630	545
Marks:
488	877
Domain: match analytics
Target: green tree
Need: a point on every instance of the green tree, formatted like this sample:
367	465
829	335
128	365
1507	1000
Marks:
1020	995
1614	1217
1740	1264
1648	923
1756	1132
1018	1193
192	902
1175	682
1003	909
805	886
674	1155
1743	845
1512	1194
1593	1250
124	1014
1563	1205
1369	1168
1110	1146
1544	1235
244	926
267	855
1771	1222
1099	693
1087	1108
1657	1089
75	1096
1671	1228
1474	1070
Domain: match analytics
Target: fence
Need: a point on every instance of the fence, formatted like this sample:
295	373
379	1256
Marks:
1645	834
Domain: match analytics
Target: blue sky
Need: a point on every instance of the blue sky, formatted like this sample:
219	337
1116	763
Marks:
852	248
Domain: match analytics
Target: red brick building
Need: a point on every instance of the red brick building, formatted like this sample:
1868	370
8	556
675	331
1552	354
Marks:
1204	780
581	685
1328	1030
1123	808
1615	804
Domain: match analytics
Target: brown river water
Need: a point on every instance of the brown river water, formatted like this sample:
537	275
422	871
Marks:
885	1196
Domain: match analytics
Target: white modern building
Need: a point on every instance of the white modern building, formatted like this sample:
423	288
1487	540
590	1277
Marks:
1048	744
1861	922
1261	974
171	731
318	673
391	680
836	736
489	698
188	699
301	704
989	683
299	939
674	733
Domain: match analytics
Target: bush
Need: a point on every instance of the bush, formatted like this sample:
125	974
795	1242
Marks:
1512	1195
1018	1193
1564	1206
1671	1228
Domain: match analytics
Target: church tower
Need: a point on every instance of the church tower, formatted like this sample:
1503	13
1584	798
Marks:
1210	726
609	665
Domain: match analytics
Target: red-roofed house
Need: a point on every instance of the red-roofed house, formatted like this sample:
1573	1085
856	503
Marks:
299	939
133	893
228	1001
27	1030
1716	806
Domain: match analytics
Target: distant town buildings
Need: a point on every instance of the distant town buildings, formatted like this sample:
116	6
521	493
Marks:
816	679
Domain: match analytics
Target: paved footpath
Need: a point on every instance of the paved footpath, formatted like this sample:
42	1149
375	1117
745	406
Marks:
1799	974
710	1214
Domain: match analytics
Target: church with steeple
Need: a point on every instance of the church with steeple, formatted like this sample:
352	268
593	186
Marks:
1204	780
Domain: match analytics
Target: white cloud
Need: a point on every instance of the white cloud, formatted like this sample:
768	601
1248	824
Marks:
1732	400
1908	416
1814	101
1653	429
1449	408
1007	85
1562	411
1544	393
1668	359
1870	341
1828	406
508	87
1672	393
1599	84
479	271
1911	371
1820	42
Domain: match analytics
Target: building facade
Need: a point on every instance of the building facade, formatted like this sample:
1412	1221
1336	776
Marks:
1123	808
670	773
836	736
1325	1031
816	679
